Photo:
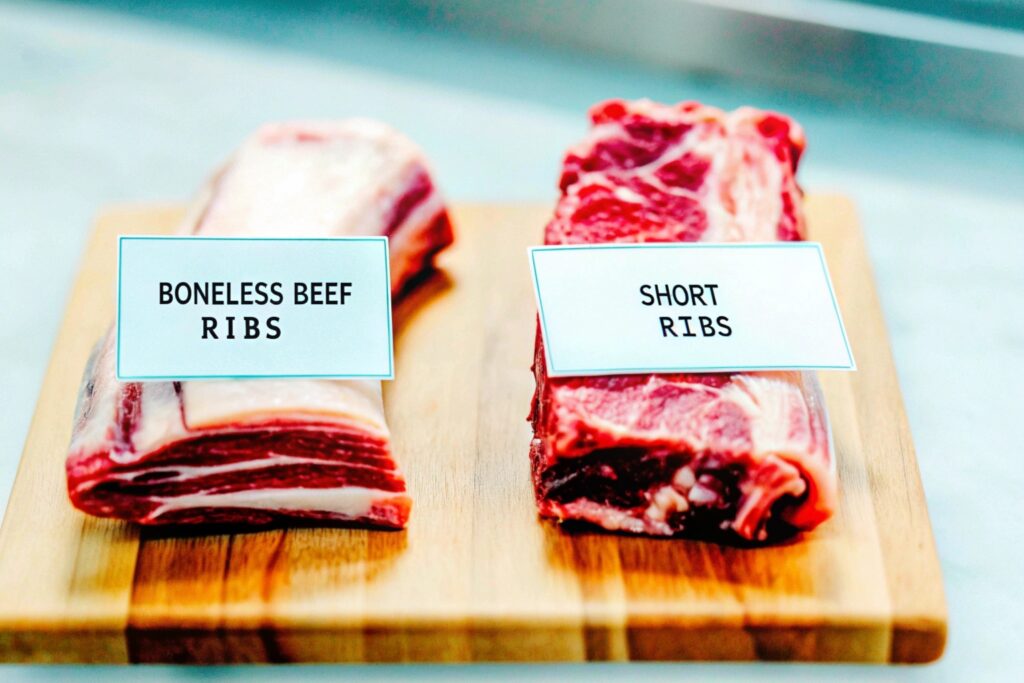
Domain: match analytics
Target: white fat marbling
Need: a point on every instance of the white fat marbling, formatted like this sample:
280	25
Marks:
187	472
347	501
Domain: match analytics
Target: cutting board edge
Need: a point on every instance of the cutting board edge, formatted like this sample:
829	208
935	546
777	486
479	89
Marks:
915	638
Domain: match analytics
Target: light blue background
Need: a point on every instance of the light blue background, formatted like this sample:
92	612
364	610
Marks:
99	106
165	341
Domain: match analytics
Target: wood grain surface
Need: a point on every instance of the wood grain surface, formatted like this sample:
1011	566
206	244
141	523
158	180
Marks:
476	576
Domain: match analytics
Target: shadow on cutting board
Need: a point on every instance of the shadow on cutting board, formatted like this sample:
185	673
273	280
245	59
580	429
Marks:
655	569
196	578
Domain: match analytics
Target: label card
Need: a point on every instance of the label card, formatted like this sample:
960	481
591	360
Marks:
237	307
608	309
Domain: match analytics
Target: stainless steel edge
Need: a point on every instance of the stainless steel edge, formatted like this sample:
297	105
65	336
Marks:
860	54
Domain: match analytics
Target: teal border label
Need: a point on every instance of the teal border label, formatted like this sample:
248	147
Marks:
373	264
557	367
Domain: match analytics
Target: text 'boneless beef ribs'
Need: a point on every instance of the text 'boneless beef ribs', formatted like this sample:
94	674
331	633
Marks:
745	455
260	451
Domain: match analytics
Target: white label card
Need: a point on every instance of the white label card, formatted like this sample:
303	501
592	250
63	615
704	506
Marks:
609	309
219	307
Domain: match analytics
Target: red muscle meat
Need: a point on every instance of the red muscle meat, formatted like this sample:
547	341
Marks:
742	455
261	451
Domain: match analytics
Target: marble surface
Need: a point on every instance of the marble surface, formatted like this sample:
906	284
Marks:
99	106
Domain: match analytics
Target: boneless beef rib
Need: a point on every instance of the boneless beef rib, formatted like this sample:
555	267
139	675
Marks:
745	455
259	451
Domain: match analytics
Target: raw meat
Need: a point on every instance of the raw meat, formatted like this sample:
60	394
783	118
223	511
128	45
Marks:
261	451
740	455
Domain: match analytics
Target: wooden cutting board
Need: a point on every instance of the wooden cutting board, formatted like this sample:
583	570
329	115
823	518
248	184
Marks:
476	576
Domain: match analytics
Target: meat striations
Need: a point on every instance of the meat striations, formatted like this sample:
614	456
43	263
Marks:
261	451
740	455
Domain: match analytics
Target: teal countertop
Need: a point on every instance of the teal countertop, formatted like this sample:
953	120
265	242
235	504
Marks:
99	107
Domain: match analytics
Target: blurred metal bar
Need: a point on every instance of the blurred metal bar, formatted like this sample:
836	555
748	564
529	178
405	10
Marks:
861	54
